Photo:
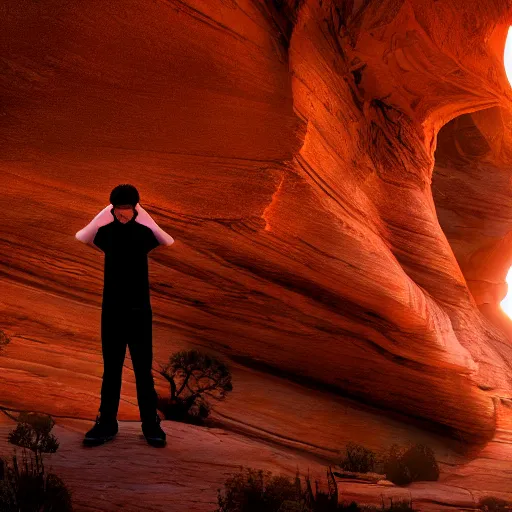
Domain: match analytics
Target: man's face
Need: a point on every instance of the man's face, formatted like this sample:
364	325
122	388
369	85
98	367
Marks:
124	212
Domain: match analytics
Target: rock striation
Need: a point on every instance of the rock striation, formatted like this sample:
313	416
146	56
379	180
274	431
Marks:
336	176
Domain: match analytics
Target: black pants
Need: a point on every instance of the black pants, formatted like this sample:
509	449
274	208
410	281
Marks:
132	328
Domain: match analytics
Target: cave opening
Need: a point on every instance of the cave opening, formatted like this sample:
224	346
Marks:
472	187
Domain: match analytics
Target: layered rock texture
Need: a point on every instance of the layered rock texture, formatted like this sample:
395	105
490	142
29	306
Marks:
336	175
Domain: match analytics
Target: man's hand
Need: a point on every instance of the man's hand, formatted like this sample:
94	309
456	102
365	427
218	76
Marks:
145	219
88	233
105	216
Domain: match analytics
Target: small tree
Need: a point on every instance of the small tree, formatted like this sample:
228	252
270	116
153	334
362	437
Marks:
257	490
403	466
33	432
254	490
24	487
193	378
422	464
493	504
358	459
394	468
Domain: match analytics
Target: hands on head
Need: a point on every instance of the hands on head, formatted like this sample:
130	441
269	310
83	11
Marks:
106	216
123	212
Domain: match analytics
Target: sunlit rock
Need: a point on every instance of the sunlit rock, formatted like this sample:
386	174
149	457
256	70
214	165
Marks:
291	153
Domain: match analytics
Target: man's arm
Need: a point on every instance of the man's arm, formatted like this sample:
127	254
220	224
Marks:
144	218
87	234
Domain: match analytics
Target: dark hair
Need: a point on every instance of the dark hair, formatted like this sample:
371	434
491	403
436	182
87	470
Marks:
124	194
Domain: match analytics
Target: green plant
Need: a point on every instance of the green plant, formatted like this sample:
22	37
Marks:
402	505
252	490
25	487
358	459
193	378
422	464
394	468
33	432
493	504
293	506
256	491
403	466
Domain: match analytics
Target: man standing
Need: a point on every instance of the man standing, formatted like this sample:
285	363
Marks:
126	233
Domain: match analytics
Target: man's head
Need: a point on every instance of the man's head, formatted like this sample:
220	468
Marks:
124	198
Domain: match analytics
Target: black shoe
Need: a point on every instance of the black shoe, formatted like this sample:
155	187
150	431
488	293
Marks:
154	435
103	430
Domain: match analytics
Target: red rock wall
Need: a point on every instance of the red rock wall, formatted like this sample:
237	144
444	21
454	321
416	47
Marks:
288	147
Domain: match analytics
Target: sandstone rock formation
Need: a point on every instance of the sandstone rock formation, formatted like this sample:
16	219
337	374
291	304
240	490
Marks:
290	149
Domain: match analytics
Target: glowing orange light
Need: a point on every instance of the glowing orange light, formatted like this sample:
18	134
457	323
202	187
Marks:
506	303
508	56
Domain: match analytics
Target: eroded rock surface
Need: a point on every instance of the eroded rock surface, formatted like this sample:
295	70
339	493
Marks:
289	148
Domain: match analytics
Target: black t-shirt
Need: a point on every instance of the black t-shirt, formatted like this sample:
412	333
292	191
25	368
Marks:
126	279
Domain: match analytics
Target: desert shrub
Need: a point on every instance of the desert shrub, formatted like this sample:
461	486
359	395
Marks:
252	490
256	491
194	378
422	464
394	468
358	459
25	486
492	504
403	466
281	488
293	506
402	505
33	432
